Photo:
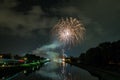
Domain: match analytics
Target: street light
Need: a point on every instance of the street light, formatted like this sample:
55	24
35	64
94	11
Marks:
1	56
25	58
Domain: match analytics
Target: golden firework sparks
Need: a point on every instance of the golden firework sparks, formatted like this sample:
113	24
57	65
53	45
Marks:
69	31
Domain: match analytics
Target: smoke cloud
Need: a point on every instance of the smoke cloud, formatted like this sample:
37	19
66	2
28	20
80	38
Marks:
48	52
47	49
51	46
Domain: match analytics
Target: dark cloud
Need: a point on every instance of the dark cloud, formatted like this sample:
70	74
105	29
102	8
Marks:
29	18
13	17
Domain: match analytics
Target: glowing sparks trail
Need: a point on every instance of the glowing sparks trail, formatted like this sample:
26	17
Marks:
69	31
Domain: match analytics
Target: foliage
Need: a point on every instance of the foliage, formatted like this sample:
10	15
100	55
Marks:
104	54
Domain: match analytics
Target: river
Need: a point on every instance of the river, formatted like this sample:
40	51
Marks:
57	71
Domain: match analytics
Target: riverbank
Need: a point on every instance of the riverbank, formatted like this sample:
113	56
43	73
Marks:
102	73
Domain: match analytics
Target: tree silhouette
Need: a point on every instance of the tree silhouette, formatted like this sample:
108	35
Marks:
104	54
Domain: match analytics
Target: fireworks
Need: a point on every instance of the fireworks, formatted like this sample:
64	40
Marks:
69	31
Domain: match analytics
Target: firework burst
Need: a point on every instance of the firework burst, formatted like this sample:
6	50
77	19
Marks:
69	31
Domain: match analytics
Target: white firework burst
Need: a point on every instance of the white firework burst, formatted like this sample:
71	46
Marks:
69	31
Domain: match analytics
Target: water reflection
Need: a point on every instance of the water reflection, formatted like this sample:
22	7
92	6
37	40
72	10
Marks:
57	71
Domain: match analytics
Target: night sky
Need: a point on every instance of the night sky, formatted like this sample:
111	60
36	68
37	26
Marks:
26	24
